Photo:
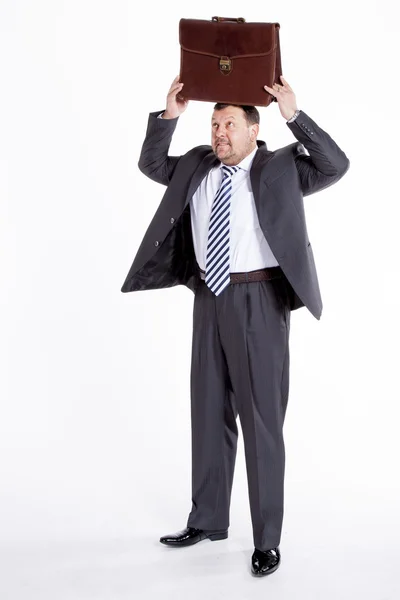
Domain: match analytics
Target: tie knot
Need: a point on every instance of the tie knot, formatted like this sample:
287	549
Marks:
229	171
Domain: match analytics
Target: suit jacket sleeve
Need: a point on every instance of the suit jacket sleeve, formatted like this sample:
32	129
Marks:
326	164
154	160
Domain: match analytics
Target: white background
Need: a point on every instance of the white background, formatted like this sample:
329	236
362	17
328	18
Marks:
95	406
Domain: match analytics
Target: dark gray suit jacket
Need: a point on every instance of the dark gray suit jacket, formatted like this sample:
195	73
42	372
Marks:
279	180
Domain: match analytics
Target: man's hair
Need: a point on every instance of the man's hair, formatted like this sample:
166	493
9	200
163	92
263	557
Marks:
250	112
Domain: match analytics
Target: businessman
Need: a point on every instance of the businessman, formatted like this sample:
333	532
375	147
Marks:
231	227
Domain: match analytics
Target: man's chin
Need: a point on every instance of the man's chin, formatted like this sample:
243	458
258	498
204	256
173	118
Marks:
223	150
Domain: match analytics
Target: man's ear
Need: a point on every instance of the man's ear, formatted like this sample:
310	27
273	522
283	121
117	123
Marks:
255	128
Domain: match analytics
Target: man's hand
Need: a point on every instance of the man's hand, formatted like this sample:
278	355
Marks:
285	97
176	105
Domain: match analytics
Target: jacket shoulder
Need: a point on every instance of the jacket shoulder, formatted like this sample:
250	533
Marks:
199	150
294	149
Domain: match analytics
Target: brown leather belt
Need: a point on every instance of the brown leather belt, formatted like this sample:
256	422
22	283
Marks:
262	275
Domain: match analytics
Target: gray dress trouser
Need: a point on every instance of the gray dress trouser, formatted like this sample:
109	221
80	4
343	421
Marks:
240	365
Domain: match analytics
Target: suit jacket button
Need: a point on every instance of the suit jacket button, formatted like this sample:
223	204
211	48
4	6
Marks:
172	220
157	243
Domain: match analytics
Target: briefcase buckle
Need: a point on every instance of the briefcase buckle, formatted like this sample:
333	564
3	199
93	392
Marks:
225	65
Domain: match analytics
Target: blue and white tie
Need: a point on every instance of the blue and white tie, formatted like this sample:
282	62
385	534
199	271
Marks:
218	251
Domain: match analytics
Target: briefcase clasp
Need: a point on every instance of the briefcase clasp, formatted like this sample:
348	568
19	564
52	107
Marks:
225	65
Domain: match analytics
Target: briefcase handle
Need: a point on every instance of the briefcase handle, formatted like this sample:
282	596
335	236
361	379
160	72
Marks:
219	19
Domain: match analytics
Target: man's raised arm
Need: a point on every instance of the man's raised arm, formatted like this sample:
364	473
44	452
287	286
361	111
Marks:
154	161
327	162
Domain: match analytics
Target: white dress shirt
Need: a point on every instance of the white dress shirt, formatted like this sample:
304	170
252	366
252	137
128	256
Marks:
249	250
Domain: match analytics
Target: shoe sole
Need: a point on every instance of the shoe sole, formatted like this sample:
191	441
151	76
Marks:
213	537
272	570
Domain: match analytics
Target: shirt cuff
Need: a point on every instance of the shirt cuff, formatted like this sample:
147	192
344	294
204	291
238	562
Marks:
161	115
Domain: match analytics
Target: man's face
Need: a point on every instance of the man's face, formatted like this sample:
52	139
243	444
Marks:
232	139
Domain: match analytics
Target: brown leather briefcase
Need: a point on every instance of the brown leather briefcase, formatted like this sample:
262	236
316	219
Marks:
228	60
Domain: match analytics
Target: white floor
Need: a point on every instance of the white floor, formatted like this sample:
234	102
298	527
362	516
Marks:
323	566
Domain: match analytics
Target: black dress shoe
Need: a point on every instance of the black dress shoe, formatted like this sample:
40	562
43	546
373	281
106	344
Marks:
190	536
265	562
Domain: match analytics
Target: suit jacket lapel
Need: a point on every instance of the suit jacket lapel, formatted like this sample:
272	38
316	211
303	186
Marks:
208	162
263	161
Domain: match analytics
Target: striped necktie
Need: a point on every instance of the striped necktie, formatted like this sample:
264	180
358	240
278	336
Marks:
218	251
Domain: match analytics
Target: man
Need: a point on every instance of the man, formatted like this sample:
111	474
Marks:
231	227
